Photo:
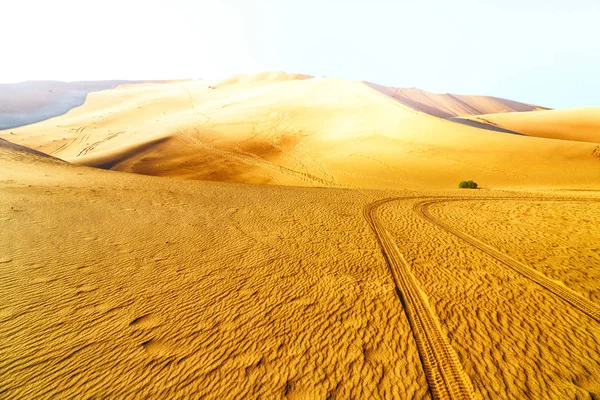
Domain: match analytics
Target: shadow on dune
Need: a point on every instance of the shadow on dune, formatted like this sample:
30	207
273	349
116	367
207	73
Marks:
483	125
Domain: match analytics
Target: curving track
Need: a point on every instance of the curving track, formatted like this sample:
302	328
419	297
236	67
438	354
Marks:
444	373
569	296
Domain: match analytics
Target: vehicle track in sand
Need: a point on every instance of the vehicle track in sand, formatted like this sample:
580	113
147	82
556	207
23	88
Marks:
558	289
70	142
445	376
93	146
443	370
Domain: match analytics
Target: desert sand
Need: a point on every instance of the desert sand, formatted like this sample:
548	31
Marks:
34	101
580	124
122	285
291	129
301	238
447	105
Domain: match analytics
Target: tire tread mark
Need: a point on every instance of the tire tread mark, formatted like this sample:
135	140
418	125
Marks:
443	370
568	295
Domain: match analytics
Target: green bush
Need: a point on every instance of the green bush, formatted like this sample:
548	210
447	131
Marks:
467	185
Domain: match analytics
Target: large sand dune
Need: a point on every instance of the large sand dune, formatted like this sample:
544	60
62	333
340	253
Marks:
448	105
290	129
126	286
578	124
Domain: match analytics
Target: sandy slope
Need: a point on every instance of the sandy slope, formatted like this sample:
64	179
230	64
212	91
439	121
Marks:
555	247
494	315
122	285
452	105
259	78
294	130
578	124
33	101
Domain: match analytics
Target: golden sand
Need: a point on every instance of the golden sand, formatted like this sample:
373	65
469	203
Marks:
295	130
580	124
358	272
121	285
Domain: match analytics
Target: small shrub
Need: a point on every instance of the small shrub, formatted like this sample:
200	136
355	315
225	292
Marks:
467	185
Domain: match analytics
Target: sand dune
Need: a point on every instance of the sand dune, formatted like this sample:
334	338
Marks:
259	78
120	285
33	101
452	105
12	149
579	124
286	129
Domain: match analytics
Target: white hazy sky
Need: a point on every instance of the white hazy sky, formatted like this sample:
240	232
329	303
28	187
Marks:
539	51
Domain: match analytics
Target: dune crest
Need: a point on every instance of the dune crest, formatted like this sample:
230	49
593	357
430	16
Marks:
580	124
452	105
34	101
261	77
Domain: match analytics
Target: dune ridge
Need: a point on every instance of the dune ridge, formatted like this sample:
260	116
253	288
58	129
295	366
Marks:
261	77
580	124
34	101
11	148
452	105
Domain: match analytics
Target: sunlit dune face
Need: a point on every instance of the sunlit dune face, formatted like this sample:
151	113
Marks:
292	129
575	124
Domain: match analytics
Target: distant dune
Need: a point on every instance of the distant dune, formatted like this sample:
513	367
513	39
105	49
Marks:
290	129
452	105
260	78
33	101
580	124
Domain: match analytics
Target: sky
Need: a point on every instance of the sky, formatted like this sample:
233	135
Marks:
545	52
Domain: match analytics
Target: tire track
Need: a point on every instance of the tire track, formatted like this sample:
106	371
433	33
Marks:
443	370
72	141
96	144
569	296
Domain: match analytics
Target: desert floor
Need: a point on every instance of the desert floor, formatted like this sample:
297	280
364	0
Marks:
116	285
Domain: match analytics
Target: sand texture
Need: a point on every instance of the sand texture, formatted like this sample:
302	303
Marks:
117	285
279	235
